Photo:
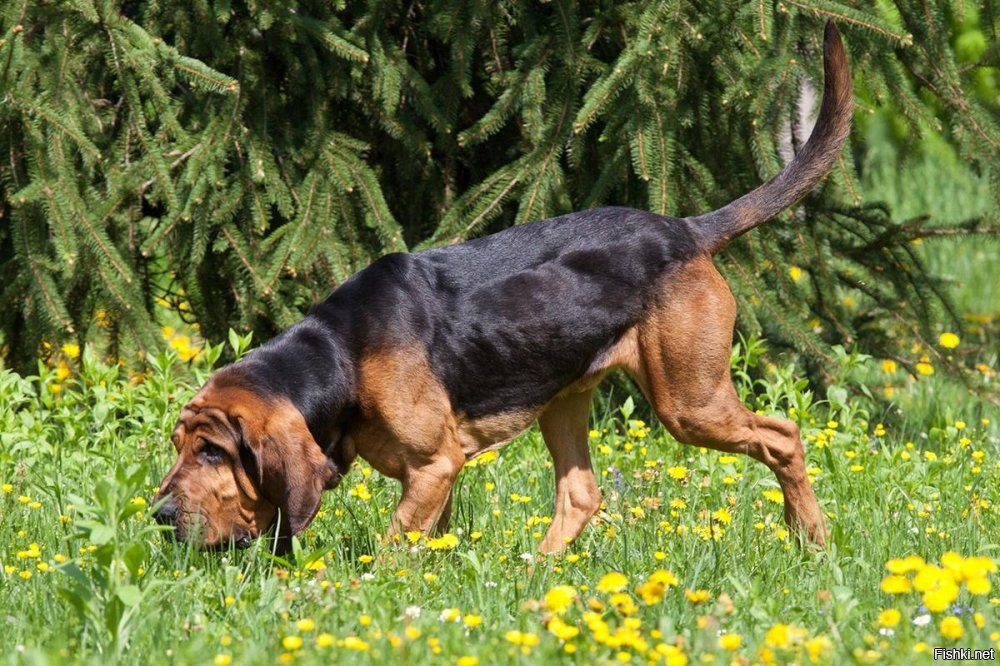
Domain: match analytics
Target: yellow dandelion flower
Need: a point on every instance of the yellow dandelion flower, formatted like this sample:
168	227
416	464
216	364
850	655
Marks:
62	371
355	643
291	643
697	596
795	273
931	576
951	628
948	340
889	617
894	584
361	492
71	349
723	516
444	542
941	596
222	659
653	590
623	603
773	495
325	640
560	598
525	639
783	636
561	630
730	642
612	582
816	648
979	586
468	660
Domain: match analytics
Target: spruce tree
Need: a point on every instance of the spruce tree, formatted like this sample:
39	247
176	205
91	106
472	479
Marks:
253	155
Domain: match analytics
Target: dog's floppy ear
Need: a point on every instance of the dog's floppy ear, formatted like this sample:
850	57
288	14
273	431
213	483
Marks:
291	471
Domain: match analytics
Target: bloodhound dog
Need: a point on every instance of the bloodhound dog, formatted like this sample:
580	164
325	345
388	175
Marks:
423	361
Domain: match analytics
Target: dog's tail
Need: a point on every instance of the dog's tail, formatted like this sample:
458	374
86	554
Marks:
811	164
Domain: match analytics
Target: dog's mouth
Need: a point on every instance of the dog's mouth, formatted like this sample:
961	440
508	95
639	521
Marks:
243	540
240	538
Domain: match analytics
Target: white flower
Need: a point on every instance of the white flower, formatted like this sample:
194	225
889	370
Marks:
412	612
450	615
528	557
921	620
886	631
367	576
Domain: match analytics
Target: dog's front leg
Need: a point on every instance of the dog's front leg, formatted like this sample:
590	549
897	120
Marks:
426	501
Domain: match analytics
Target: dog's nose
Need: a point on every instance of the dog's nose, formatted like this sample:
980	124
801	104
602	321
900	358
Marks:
167	513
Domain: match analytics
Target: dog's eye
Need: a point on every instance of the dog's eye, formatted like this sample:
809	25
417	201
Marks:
213	454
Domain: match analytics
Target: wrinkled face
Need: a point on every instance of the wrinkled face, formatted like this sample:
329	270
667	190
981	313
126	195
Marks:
212	498
243	465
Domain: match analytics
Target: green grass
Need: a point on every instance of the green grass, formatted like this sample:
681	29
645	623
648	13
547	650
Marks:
80	465
934	182
83	445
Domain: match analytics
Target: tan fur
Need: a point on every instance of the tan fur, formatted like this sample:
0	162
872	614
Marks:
408	431
564	426
684	349
679	356
488	433
221	501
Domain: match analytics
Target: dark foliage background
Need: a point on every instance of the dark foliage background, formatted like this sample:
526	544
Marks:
245	157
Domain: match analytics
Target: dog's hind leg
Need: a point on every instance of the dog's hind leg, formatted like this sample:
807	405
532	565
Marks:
683	368
564	425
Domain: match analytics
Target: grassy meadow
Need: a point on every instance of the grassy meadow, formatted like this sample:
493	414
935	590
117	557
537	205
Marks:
689	560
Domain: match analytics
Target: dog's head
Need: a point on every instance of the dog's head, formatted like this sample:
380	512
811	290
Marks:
244	464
